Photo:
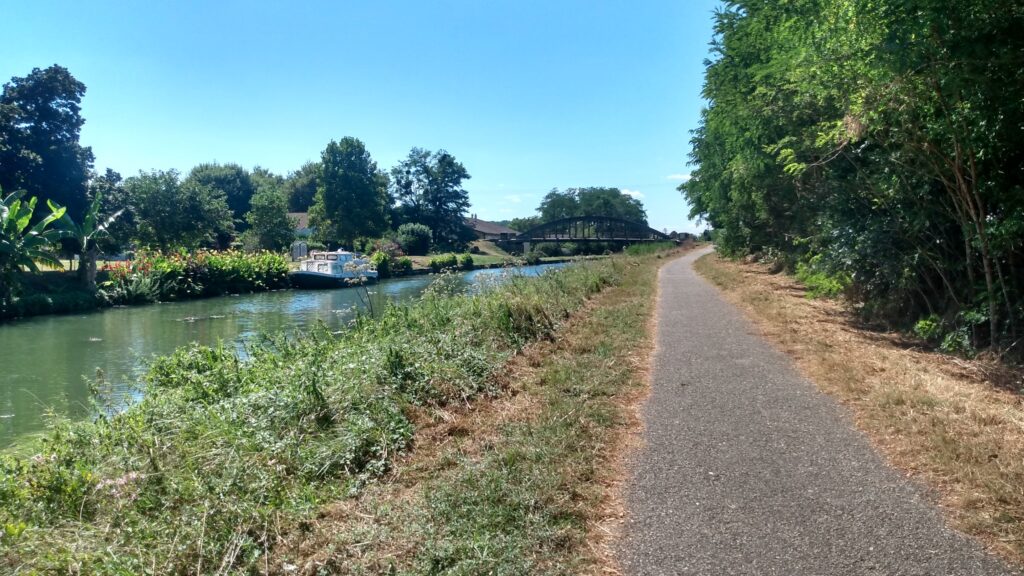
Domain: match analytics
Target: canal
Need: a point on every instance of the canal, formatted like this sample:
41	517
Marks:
46	363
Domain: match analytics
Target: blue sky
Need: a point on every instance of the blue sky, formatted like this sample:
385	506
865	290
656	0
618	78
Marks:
528	95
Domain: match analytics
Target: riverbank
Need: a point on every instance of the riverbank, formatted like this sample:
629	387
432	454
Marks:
222	460
956	425
57	292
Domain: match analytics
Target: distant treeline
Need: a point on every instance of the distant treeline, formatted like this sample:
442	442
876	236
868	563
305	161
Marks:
879	147
216	205
590	201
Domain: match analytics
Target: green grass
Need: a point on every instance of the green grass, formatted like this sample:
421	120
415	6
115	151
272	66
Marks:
223	456
514	487
489	260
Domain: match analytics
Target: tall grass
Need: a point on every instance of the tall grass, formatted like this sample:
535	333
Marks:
201	474
649	248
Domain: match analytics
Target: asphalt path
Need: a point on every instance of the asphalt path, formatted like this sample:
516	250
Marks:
747	468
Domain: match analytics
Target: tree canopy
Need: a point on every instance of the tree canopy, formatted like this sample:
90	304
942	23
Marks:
171	214
300	187
880	142
40	121
351	197
232	181
591	201
428	187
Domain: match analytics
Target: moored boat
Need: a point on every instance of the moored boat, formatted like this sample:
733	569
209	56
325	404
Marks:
332	270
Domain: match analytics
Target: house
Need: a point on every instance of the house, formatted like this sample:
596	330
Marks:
485	230
302	228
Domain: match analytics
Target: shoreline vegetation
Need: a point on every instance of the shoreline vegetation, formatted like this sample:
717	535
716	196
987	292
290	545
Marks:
155	278
954	424
235	467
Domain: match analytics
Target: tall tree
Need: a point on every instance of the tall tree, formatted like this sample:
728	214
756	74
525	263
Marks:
879	141
268	220
428	187
592	201
557	205
171	213
40	121
351	197
300	187
231	180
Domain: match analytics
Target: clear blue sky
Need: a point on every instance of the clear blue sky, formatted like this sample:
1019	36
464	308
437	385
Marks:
528	95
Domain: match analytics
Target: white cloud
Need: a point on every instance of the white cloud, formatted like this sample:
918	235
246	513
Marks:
682	177
513	198
633	193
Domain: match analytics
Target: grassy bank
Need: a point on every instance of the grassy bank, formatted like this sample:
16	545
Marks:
957	425
228	466
521	483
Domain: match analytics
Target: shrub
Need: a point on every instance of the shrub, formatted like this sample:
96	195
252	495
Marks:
381	261
444	262
38	304
819	281
403	265
466	262
185	275
532	258
415	239
474	249
929	329
547	249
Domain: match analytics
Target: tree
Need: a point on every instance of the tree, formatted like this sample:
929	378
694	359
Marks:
86	235
557	205
300	187
351	198
109	187
231	180
593	201
23	244
268	220
879	142
263	179
40	121
428	185
610	202
171	213
524	224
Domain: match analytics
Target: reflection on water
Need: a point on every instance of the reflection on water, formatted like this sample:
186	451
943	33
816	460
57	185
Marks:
46	361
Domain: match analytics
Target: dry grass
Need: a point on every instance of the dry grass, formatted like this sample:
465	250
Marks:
957	425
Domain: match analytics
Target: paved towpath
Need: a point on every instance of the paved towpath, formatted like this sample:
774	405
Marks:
748	469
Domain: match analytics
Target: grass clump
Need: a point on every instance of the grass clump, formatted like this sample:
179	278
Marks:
222	455
820	283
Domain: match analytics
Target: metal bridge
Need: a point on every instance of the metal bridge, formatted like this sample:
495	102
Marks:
592	229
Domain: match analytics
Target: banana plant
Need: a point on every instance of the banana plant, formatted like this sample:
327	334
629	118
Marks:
23	245
87	234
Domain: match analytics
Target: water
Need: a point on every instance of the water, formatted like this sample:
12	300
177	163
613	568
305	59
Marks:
45	362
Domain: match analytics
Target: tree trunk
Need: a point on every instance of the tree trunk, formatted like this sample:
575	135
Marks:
87	268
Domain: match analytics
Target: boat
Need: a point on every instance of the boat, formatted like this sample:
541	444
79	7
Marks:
332	270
